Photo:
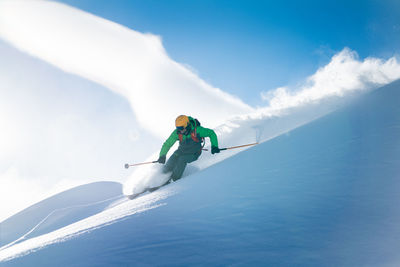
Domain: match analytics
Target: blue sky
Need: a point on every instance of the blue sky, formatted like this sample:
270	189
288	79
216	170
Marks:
245	47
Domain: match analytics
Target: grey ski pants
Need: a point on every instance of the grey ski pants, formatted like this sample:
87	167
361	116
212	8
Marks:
177	163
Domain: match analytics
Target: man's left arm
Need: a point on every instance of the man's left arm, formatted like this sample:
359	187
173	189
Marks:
205	132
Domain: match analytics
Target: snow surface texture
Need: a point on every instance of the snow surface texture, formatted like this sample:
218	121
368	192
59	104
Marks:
67	222
322	194
60	210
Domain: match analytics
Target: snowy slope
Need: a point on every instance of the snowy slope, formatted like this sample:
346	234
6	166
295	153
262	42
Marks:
60	210
314	196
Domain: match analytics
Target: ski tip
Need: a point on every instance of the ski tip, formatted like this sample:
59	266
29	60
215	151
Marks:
132	196
126	166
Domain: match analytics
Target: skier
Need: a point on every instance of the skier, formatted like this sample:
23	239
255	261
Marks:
190	135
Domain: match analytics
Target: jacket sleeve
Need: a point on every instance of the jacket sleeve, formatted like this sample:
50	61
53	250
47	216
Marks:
169	143
205	132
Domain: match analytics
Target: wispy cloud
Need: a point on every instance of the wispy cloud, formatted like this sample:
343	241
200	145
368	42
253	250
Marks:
128	62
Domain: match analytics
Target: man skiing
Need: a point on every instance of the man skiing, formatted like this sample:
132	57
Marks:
190	135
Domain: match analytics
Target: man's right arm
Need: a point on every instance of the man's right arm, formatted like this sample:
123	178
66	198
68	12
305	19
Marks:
169	143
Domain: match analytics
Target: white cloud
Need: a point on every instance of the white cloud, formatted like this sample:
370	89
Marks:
128	62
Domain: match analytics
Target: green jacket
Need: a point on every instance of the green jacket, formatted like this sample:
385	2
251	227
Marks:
187	139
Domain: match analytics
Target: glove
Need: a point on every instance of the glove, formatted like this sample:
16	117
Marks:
162	159
214	150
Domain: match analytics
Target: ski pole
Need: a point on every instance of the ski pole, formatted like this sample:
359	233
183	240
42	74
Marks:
233	147
137	164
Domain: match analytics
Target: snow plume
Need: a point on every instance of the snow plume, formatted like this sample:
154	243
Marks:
332	86
344	74
145	177
130	63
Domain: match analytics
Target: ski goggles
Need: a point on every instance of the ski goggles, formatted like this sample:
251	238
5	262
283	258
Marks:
180	128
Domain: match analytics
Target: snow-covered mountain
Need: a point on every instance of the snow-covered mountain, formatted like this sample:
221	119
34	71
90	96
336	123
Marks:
324	194
80	94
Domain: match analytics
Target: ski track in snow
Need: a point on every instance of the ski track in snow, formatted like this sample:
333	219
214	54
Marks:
115	212
52	213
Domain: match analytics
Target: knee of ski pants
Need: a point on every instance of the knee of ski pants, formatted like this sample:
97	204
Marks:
171	162
178	158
